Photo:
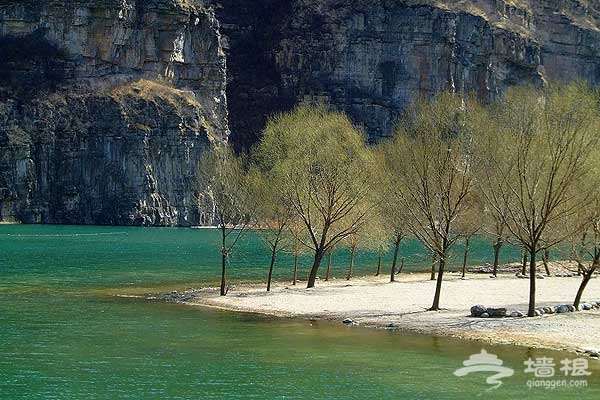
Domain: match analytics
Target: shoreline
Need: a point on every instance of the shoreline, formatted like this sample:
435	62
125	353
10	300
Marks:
374	302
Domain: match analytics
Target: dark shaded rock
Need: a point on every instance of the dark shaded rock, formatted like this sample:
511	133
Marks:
478	310
517	314
592	353
565	308
371	58
586	306
348	321
497	312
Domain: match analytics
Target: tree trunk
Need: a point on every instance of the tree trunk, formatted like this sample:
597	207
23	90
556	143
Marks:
532	281
351	267
497	245
466	256
273	257
438	286
587	276
315	268
223	259
396	248
378	263
545	257
295	278
328	272
401	266
524	264
433	258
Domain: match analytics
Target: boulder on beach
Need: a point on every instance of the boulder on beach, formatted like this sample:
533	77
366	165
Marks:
478	310
497	312
565	308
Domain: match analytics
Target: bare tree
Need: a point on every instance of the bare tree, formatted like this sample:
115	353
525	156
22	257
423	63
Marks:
352	242
329	258
397	236
469	225
323	168
391	217
222	173
297	247
533	156
585	242
273	216
430	160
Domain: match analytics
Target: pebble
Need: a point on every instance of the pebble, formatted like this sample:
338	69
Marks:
348	321
485	315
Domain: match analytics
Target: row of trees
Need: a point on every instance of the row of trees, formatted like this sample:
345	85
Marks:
523	169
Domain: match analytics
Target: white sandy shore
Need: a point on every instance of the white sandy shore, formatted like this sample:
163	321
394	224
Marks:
376	302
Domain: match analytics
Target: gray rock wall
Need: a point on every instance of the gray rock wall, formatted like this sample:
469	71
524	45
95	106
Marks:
372	57
106	107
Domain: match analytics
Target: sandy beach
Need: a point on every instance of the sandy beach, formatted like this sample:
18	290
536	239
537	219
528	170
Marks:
375	302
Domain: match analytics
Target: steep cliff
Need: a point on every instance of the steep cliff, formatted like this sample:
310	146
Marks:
372	57
106	107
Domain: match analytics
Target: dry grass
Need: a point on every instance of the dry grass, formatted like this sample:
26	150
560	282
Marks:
156	92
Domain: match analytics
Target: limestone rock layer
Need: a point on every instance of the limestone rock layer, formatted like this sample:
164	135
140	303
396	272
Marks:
106	106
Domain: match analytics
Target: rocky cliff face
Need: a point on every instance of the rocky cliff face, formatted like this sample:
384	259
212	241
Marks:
106	107
372	57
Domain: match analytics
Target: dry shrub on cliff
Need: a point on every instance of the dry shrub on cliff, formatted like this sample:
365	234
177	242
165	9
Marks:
157	92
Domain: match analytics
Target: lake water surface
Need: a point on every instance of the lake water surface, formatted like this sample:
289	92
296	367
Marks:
64	335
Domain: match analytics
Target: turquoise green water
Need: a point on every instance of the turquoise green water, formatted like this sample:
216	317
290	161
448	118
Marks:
63	336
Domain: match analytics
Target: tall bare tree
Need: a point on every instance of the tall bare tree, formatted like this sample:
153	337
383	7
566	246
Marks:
323	168
430	160
222	173
390	216
587	254
469	225
273	216
533	156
